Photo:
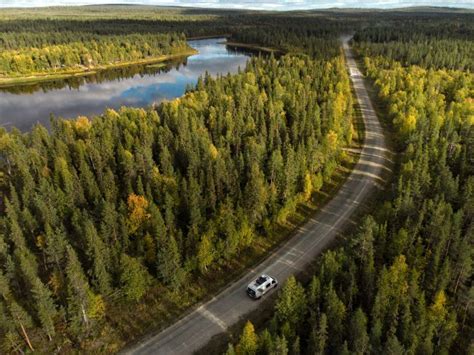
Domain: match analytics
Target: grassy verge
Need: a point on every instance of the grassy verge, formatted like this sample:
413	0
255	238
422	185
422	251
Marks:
33	79
379	107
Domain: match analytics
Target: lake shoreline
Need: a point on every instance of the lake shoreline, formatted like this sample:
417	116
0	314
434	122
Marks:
45	77
197	38
238	44
34	79
89	94
255	47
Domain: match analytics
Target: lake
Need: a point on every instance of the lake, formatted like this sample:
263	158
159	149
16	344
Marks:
23	106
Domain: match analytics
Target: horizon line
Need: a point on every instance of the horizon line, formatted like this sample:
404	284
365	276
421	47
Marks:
240	8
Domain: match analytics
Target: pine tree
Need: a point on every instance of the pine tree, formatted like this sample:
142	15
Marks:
22	319
45	307
248	340
319	336
393	346
99	255
134	278
362	246
205	252
336	313
230	350
281	346
344	349
256	194
295	347
80	296
14	312
265	342
359	339
169	263
291	305
314	293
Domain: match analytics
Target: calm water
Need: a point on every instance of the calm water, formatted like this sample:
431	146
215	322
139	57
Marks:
137	86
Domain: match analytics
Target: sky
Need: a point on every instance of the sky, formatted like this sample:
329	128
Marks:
252	4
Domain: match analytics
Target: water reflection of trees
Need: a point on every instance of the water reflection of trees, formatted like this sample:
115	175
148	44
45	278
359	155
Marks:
249	51
97	77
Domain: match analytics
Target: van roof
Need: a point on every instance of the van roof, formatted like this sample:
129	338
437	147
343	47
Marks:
261	279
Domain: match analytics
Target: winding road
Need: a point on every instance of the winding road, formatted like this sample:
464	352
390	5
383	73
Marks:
212	318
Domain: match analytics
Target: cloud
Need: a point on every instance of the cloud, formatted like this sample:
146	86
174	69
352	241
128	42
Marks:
251	4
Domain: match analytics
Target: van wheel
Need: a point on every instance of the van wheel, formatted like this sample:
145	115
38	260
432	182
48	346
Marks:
275	286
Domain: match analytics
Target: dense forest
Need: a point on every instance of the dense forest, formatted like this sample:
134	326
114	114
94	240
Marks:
104	211
316	42
403	282
138	197
442	44
86	51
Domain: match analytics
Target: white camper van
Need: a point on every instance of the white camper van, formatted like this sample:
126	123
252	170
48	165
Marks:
260	286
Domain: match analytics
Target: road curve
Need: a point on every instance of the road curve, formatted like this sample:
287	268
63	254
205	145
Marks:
195	330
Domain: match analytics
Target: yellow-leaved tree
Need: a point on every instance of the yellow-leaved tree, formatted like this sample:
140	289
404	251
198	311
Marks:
137	212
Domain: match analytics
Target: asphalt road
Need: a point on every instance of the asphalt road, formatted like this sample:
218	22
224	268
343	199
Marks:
212	318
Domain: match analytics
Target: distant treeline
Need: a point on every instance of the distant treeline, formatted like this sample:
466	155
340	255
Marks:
319	43
42	32
30	42
435	44
85	51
